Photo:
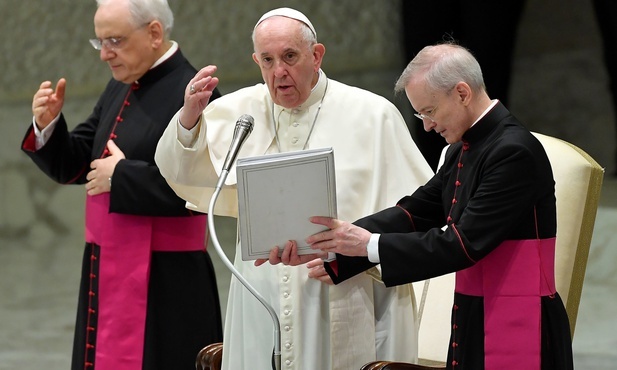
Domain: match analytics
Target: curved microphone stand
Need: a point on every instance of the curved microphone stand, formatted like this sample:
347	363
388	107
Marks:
230	266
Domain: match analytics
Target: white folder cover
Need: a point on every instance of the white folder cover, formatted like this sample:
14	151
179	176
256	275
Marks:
277	193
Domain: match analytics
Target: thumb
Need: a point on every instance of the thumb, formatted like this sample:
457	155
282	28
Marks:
328	222
113	148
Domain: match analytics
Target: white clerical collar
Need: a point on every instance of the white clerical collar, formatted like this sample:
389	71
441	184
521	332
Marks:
319	73
493	103
317	91
167	55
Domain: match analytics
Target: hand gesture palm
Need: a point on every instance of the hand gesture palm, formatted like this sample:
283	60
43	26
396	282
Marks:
47	103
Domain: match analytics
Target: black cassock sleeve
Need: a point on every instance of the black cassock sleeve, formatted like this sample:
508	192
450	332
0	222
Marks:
393	220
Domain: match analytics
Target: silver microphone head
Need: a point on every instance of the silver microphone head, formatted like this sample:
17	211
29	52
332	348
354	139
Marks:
244	126
245	122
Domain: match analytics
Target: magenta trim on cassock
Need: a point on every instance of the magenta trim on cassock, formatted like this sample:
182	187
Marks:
512	279
126	243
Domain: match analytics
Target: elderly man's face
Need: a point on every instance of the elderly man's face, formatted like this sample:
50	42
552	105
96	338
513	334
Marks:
442	111
288	65
133	53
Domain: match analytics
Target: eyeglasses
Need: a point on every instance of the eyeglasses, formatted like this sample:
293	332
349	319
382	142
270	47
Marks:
112	43
432	111
424	116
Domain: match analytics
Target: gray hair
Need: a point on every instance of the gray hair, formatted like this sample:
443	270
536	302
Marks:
305	31
145	11
443	66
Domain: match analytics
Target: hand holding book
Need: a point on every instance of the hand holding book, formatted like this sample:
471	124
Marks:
277	195
289	256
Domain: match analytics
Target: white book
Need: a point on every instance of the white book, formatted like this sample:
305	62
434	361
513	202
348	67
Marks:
278	193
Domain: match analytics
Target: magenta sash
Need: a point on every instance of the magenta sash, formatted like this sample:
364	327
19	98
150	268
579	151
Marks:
512	279
126	243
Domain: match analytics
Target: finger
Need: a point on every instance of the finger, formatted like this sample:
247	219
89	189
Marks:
60	88
201	80
43	92
260	261
326	279
317	272
94	191
288	252
329	222
284	255
94	164
289	255
203	88
317	262
205	71
273	257
45	85
211	84
318	240
196	85
38	103
40	99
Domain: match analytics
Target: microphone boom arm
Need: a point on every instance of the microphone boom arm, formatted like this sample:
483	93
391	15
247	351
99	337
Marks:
242	130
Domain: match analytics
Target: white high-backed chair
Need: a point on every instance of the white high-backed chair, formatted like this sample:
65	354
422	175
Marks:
578	181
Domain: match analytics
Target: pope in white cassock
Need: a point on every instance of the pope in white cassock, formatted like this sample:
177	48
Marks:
376	162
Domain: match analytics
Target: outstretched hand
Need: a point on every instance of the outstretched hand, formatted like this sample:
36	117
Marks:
341	237
317	271
197	96
289	256
47	103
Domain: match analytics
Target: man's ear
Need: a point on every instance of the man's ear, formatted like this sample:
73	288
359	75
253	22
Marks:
318	52
464	93
157	34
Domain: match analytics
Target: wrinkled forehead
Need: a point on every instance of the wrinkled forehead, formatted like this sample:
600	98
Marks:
279	35
419	94
113	17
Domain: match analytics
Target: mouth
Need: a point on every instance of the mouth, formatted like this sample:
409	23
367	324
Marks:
283	88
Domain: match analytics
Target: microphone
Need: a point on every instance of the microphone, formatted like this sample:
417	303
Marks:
244	126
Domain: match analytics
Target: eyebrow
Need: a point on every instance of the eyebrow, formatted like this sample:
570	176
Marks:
285	51
424	109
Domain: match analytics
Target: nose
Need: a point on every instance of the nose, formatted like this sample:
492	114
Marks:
280	69
428	124
106	53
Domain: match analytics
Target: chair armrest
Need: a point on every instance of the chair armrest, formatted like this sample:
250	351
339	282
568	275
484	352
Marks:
210	357
389	365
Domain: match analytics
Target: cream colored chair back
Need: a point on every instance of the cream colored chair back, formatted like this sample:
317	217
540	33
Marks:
578	182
